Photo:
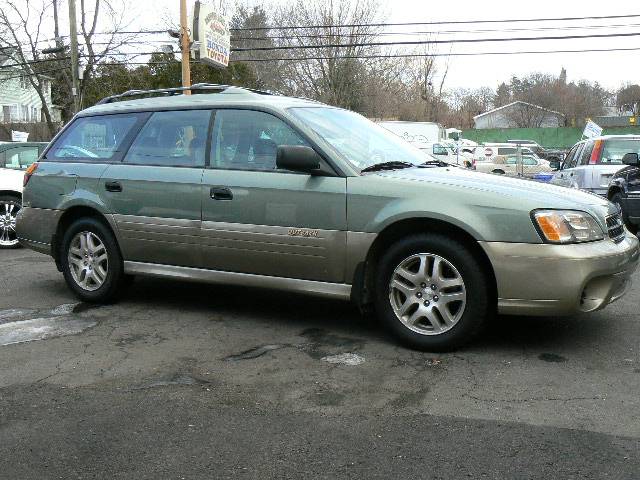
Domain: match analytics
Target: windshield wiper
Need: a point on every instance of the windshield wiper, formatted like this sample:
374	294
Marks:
437	163
393	165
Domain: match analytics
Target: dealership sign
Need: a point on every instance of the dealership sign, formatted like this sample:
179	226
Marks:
211	31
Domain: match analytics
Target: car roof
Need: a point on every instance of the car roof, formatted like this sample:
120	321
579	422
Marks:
231	96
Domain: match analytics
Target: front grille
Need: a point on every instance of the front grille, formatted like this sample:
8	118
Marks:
615	227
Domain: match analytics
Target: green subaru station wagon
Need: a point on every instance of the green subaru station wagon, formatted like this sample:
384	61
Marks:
242	187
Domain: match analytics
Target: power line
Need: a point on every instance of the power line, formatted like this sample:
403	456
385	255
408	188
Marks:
435	42
57	59
453	54
385	24
441	32
447	22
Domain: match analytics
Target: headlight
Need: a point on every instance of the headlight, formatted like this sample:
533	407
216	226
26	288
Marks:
567	226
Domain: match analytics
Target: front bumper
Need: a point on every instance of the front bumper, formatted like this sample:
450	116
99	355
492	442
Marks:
544	279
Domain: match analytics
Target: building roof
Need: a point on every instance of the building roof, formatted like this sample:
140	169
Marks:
518	102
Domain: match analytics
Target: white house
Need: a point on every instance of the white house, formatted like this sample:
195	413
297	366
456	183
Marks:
19	101
519	114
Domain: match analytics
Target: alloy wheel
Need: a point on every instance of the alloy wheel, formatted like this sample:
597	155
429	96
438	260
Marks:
427	294
8	214
88	261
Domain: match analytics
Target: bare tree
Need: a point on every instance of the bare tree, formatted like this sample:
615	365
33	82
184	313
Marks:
328	72
26	30
628	99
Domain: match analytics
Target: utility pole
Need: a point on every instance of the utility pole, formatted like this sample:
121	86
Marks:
73	32
185	47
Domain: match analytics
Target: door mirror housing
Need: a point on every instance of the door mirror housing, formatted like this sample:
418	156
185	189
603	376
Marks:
630	159
298	159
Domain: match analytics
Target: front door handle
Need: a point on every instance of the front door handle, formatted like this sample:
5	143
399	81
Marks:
221	193
113	186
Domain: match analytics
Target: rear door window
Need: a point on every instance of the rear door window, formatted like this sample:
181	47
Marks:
172	139
575	156
585	156
99	138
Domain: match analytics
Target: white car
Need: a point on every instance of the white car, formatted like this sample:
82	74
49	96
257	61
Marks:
508	165
15	158
489	151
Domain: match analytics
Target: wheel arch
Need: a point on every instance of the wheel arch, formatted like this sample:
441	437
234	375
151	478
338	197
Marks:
11	193
363	282
69	216
613	189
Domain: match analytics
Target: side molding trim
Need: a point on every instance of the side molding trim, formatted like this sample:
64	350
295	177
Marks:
323	289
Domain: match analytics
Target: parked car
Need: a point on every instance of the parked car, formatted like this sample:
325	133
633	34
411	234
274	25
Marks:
14	159
591	164
551	154
508	165
488	151
624	189
253	189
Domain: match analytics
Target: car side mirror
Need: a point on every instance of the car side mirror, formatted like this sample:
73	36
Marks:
555	165
298	159
630	159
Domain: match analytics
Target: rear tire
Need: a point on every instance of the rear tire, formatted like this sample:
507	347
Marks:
445	310
617	199
9	208
91	261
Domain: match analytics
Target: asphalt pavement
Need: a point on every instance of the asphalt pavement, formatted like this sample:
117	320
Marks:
185	380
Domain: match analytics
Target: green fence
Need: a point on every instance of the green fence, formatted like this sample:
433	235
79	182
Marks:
563	137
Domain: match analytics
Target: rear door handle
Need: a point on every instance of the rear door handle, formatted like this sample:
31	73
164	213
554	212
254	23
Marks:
113	186
221	193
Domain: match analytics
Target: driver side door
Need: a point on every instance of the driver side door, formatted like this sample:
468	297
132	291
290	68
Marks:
258	219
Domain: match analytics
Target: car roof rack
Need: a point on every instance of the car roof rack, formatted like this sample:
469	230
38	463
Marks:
198	87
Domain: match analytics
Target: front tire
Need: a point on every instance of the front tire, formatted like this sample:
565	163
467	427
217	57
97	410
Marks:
91	261
432	293
9	208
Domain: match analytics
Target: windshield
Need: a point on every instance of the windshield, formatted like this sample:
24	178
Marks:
359	141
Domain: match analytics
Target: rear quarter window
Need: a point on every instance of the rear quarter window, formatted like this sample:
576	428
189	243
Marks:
98	138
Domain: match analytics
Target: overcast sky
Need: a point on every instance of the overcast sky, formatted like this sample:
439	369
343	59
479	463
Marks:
611	69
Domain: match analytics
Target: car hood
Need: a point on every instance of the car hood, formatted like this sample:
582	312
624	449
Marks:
537	195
